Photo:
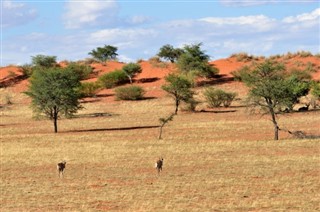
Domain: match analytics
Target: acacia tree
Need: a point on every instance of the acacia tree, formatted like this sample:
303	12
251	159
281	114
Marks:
104	53
168	52
272	88
55	92
179	88
195	60
131	69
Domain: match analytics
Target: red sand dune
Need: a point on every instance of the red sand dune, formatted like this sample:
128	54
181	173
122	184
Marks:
152	76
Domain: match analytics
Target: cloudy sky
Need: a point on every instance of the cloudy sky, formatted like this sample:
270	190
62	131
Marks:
69	29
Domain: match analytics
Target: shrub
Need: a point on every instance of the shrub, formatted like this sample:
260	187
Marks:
113	79
89	89
217	97
82	71
132	92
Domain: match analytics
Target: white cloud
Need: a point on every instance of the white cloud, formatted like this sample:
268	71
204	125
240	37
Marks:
90	13
246	3
305	17
15	14
116	34
259	22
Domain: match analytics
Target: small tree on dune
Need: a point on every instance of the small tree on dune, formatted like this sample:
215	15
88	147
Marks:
55	92
179	88
195	60
131	69
168	52
104	53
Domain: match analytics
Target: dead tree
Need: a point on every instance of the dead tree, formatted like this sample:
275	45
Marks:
61	167
159	165
163	122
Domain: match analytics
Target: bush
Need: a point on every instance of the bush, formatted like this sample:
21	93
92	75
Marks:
82	71
217	97
89	89
26	70
113	79
132	92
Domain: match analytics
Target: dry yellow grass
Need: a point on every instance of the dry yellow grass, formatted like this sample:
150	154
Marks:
212	161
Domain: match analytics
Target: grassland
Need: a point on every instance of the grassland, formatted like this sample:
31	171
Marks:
220	160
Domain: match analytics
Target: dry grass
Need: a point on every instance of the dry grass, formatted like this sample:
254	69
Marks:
213	161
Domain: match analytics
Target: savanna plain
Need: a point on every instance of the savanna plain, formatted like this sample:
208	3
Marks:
217	160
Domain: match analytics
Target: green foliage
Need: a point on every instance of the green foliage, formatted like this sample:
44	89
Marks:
89	89
55	92
112	79
132	92
195	60
104	53
131	69
271	88
170	53
217	97
82	71
44	61
179	88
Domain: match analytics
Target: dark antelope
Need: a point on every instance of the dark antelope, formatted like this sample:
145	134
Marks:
159	165
60	167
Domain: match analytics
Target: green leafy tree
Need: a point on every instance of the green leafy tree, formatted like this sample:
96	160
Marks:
131	69
271	88
179	88
43	61
195	60
104	53
170	53
55	92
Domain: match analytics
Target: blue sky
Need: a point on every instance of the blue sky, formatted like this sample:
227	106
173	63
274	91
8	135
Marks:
69	29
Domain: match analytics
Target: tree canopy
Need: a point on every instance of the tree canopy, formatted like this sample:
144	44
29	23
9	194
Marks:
195	60
55	92
168	52
104	53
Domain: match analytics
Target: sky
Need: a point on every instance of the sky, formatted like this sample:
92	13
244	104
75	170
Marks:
70	29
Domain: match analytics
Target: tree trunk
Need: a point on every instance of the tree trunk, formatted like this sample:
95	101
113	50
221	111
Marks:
275	124
130	78
55	119
177	106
